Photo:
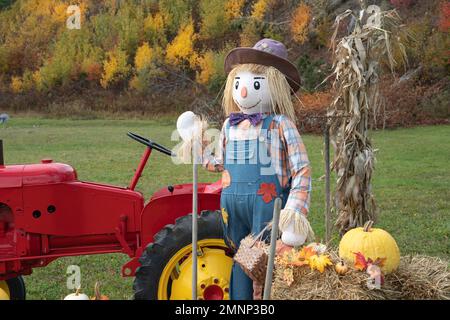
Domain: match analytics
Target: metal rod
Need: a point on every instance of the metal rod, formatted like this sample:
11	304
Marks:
273	245
140	168
327	183
194	220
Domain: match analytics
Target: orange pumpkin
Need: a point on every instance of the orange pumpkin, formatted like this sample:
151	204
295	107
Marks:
98	296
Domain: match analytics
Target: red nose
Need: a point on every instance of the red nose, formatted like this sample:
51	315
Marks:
244	92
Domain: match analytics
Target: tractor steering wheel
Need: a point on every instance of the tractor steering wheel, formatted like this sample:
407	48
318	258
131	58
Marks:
149	143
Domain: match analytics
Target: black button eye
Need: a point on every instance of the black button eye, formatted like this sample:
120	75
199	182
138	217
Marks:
257	85
236	85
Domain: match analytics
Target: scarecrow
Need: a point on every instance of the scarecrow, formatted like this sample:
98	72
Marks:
260	154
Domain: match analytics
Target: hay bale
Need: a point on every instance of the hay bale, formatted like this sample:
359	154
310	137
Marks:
418	277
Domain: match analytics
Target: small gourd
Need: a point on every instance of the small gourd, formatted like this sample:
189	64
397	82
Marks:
98	295
341	268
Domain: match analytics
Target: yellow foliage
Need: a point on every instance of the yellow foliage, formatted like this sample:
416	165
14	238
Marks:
299	23
260	8
307	256
38	81
59	12
55	9
233	9
206	66
115	67
143	58
319	262
16	84
181	49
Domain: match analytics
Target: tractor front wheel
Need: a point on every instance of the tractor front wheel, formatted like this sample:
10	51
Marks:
12	289
166	264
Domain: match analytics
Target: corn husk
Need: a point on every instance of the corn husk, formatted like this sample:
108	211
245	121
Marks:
357	57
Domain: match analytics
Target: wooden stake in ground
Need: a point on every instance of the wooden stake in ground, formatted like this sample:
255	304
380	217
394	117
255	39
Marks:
357	58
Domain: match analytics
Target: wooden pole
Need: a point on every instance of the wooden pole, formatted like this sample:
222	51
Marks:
194	219
273	245
327	182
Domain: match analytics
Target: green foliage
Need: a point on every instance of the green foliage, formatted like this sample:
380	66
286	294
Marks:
130	24
426	46
104	33
274	33
5	3
72	55
251	33
312	72
154	29
214	22
176	13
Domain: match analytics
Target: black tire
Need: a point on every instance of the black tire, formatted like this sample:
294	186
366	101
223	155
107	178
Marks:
168	242
16	288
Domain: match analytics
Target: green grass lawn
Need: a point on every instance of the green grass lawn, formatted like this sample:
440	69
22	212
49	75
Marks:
411	184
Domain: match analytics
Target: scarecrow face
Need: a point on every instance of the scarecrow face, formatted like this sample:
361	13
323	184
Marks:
251	92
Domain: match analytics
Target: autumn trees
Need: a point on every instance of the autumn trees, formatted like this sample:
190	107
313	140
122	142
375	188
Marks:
131	44
159	48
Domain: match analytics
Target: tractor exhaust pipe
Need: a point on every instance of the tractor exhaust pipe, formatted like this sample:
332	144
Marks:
2	160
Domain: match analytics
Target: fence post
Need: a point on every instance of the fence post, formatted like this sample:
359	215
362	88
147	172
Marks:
327	181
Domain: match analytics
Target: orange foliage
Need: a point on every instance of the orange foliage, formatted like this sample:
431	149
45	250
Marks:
318	101
94	71
299	23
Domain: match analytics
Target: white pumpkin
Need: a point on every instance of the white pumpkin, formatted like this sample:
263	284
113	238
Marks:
77	296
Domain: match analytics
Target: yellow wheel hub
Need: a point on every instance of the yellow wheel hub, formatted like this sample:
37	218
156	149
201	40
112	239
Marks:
214	270
4	291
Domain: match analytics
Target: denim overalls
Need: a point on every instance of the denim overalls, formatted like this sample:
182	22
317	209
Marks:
247	203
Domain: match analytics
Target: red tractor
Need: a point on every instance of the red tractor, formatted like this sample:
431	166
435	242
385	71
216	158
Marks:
47	213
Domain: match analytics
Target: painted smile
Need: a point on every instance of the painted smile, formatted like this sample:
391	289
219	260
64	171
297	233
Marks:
248	108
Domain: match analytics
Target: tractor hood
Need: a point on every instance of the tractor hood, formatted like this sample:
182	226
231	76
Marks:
36	174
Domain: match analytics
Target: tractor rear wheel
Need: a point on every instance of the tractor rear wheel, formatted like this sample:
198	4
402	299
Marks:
166	264
12	289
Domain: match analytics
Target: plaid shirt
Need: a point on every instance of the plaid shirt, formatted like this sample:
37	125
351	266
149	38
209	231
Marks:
288	155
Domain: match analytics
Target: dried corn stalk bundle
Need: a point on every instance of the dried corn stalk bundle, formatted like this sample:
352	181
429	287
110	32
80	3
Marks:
356	70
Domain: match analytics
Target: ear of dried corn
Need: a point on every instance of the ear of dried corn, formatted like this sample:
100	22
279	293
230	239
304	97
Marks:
356	70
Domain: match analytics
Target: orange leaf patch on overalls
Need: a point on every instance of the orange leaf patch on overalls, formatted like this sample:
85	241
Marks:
268	191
